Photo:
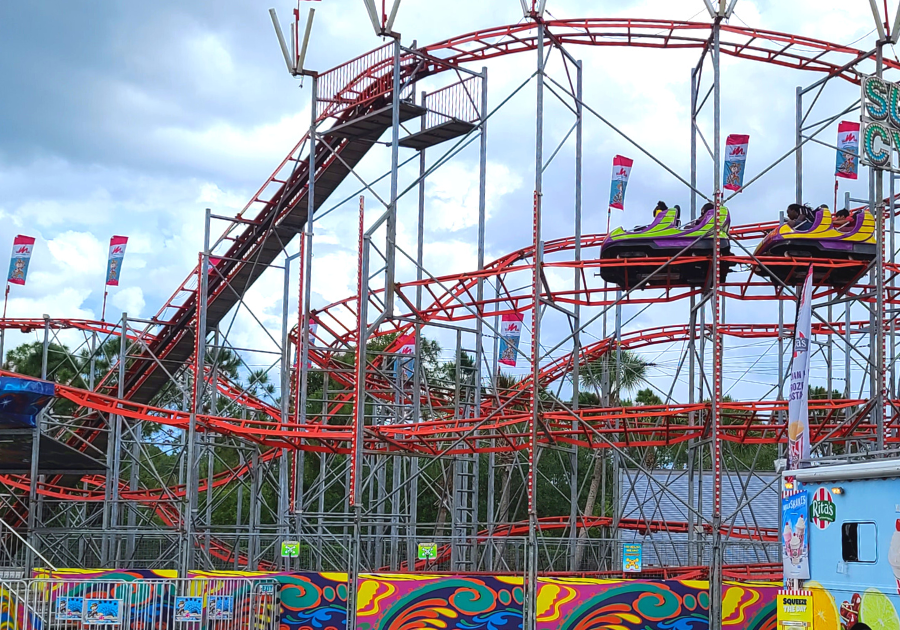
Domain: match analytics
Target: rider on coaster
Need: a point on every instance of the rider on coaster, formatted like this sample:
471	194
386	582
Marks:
699	220
661	207
843	220
801	217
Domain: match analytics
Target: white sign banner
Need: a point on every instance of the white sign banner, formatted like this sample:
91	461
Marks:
798	406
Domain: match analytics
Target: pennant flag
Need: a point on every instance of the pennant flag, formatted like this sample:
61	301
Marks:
116	255
735	161
848	150
798	405
510	333
21	256
211	266
620	173
407	347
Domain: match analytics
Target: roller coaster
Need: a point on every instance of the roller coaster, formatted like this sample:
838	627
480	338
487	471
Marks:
361	457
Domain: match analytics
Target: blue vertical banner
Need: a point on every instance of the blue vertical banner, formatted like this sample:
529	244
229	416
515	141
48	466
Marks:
407	363
18	262
510	334
847	165
117	246
620	174
735	161
794	537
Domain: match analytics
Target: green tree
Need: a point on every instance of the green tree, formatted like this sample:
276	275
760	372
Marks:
609	377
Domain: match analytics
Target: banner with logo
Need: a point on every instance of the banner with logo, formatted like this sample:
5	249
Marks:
620	173
798	405
116	256
21	256
823	511
848	150
406	363
735	161
510	334
794	537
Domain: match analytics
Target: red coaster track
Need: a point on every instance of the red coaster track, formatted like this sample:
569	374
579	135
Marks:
278	211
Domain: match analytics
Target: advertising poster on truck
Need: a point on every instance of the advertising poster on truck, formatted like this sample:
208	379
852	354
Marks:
794	540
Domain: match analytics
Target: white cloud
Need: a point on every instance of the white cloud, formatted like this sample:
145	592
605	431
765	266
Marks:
204	119
129	300
334	275
453	194
81	252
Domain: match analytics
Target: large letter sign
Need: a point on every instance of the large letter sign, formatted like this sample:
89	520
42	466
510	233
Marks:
880	121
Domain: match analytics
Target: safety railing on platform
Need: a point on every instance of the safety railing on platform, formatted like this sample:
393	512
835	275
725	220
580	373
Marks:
460	101
145	604
355	82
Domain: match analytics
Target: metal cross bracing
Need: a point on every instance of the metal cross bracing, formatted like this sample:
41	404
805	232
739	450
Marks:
364	454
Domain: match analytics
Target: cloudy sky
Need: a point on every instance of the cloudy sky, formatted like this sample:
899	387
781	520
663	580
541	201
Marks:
128	118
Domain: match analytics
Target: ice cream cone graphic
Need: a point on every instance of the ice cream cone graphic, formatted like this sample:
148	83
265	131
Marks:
795	433
786	534
894	554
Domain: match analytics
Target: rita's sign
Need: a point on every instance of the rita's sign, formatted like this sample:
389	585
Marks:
880	122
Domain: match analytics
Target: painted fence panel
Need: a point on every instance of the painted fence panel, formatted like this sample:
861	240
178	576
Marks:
318	601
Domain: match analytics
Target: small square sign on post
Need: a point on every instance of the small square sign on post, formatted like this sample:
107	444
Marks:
290	549
428	551
631	558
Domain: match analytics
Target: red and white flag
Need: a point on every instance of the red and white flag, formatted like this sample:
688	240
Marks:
848	150
735	161
407	344
510	334
407	347
116	256
21	256
620	173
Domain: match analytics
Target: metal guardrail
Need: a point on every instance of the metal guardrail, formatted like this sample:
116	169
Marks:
214	604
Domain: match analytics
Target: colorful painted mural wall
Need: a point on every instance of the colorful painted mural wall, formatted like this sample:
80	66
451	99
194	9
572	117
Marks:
309	601
318	601
396	602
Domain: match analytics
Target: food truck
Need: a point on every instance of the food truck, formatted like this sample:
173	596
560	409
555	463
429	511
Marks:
840	539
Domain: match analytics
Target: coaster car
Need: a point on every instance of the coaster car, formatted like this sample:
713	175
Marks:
664	239
820	240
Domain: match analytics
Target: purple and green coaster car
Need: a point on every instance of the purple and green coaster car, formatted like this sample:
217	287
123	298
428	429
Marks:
663	240
820	240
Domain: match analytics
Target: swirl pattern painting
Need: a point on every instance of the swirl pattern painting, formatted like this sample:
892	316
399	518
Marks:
318	601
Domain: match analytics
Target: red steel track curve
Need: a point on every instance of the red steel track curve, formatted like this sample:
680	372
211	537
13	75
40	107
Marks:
358	87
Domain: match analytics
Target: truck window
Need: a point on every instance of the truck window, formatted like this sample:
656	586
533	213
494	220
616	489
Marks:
858	542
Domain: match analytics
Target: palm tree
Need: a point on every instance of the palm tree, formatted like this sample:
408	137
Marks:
601	374
609	376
